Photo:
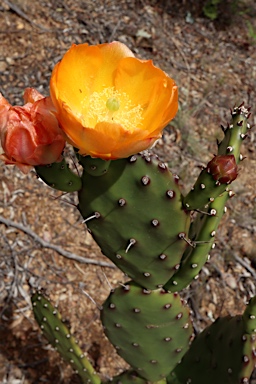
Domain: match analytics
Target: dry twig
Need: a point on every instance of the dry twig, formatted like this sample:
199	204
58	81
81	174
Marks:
58	249
23	15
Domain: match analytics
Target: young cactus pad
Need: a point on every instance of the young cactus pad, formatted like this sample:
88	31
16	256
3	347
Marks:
219	172
202	234
59	176
151	330
210	184
135	214
50	322
223	353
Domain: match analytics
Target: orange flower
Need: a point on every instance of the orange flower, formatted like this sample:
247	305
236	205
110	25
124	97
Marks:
30	135
110	104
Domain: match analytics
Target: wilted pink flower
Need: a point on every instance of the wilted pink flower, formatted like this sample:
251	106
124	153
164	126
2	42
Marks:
30	135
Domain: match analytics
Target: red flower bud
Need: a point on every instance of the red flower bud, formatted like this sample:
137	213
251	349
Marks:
30	135
223	168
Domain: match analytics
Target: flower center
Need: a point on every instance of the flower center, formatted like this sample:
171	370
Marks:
111	106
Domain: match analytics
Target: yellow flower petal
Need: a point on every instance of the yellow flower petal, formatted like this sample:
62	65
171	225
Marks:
151	88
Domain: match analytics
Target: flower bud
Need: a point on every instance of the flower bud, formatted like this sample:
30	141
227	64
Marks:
223	168
30	135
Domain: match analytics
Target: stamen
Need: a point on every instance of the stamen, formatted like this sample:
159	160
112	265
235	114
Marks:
111	106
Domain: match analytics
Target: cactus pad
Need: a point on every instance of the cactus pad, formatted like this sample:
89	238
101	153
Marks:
223	353
151	330
50	322
202	233
209	196
141	237
59	176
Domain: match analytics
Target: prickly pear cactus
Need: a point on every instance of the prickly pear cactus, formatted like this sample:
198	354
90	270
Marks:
136	213
142	237
151	330
59	336
224	352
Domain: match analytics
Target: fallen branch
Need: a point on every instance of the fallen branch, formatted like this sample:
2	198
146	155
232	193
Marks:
58	249
244	264
14	8
239	260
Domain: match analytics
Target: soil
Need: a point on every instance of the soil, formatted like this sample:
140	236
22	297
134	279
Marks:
213	63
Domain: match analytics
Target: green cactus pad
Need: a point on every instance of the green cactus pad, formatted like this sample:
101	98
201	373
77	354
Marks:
50	322
206	187
223	353
151	330
202	233
140	236
59	176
